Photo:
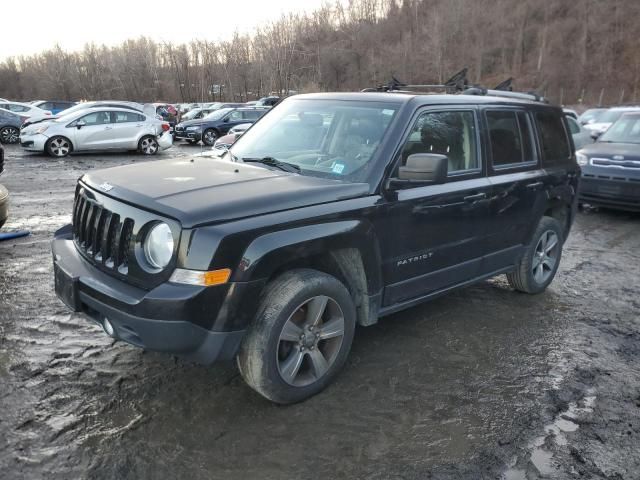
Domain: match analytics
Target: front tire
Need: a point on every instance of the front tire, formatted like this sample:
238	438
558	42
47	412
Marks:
300	337
541	259
9	135
209	137
148	145
58	147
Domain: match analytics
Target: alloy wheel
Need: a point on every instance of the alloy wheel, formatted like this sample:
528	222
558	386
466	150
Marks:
545	256
310	341
59	147
149	146
9	135
210	137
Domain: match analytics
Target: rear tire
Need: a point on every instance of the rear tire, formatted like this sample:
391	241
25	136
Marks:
9	135
58	147
148	145
300	337
541	258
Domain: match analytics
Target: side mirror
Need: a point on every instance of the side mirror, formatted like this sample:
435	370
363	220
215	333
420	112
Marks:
595	135
426	168
80	124
226	120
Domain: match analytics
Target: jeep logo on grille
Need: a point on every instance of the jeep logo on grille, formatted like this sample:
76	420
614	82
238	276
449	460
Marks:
105	187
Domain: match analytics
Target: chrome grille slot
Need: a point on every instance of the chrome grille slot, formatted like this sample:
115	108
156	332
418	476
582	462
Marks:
100	234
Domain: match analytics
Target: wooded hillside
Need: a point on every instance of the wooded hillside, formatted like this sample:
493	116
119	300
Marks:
572	50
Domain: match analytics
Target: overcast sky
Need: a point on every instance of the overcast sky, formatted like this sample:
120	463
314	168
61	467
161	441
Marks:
74	23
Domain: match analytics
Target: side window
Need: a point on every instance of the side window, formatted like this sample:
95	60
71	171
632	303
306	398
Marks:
573	125
510	138
553	136
235	116
251	115
447	133
96	118
61	106
46	106
126	117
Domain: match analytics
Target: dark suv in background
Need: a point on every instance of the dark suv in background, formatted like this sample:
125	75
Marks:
332	210
216	124
611	166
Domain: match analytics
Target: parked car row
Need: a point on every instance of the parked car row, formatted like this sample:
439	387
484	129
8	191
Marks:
598	120
217	124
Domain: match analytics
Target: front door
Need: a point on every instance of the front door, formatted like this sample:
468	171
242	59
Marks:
93	131
433	237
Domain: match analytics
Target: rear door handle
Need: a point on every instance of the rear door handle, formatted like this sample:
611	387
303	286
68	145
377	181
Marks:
535	185
477	196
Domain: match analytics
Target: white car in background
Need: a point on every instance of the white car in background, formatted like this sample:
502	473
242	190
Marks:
98	129
607	119
25	110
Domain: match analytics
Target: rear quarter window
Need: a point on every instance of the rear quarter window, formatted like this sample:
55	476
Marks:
553	138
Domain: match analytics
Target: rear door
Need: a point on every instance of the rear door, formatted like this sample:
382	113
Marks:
433	237
127	128
518	184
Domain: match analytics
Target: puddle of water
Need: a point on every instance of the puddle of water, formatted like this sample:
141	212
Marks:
540	457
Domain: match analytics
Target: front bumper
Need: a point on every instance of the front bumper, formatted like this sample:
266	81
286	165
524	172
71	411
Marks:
33	143
158	320
193	135
620	193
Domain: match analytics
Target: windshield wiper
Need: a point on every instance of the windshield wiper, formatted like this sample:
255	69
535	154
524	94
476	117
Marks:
272	162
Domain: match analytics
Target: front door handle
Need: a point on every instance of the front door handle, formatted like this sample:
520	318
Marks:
477	196
535	185
108	128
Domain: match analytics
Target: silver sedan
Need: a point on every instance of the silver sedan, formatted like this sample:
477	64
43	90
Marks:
98	129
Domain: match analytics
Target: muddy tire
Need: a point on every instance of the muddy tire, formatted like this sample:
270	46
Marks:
58	147
540	261
300	337
148	145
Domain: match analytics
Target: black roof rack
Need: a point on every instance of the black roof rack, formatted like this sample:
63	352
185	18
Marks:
458	84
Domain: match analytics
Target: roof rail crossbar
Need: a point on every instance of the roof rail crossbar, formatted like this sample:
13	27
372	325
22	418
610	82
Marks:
457	83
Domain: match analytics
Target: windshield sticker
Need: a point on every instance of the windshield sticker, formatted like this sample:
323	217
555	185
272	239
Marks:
337	168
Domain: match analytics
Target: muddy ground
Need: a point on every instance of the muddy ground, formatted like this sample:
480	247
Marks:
484	383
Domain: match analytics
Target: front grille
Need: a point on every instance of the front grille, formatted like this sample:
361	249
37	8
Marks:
606	162
100	234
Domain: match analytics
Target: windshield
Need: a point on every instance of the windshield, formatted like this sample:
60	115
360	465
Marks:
592	116
191	113
611	116
625	130
218	114
327	138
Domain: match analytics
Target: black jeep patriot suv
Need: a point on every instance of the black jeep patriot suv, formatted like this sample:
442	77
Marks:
333	210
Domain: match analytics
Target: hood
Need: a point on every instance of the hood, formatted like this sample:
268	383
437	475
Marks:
598	127
622	151
204	191
187	123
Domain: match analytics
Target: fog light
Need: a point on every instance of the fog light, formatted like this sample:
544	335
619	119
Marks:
108	328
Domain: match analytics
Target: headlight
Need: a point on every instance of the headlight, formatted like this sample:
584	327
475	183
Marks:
158	245
41	129
582	159
196	127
